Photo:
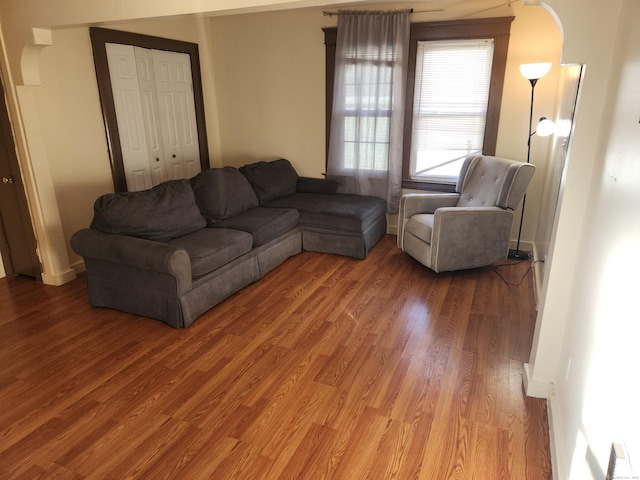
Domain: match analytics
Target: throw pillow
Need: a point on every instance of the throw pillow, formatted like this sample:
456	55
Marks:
325	186
222	193
271	179
166	211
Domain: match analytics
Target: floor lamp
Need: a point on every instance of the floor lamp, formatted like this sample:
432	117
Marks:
532	72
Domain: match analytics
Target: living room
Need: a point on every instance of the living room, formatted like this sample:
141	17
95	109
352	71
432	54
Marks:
258	85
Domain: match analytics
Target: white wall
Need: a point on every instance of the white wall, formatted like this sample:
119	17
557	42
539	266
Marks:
586	347
270	75
73	130
599	391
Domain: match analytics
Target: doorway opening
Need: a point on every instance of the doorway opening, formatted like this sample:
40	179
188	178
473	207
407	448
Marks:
18	247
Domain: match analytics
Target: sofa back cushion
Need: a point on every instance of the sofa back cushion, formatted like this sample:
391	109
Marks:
271	179
222	193
166	211
325	186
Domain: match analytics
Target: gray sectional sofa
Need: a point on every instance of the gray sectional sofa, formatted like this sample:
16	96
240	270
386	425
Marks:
176	250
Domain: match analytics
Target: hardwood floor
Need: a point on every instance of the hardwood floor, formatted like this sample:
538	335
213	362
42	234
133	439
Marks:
328	367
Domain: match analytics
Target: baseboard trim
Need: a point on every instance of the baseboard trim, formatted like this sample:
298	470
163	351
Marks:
392	223
559	469
78	267
546	390
538	272
59	278
534	388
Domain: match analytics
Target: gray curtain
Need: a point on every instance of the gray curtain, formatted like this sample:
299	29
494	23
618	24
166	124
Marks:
365	142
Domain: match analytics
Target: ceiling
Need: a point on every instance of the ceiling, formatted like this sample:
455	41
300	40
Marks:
435	9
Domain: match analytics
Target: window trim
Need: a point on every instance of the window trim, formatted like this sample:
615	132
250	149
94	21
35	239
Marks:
497	28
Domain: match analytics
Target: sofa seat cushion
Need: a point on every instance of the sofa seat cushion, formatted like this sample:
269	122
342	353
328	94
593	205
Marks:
421	226
342	211
166	211
264	224
211	248
222	193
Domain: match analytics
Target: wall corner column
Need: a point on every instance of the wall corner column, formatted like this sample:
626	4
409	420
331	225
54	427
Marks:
35	166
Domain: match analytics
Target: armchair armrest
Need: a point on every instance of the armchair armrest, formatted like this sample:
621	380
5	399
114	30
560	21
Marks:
468	237
135	252
414	203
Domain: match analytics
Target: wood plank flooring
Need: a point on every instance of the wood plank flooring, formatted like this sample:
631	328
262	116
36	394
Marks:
328	368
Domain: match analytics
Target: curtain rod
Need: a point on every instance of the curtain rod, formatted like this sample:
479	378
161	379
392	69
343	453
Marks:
411	10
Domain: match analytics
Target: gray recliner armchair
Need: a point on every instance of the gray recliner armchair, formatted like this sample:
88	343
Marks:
470	228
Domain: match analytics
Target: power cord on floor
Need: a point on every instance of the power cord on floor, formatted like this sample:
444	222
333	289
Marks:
495	270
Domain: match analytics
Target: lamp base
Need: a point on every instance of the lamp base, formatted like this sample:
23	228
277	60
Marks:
518	255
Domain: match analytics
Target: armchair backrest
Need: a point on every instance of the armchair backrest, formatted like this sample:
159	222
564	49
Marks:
487	181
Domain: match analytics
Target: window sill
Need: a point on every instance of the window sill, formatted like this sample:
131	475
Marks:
430	186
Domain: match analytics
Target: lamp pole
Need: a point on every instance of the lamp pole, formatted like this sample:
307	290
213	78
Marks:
532	72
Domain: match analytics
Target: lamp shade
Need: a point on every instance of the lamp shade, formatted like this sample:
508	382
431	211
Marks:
545	127
535	71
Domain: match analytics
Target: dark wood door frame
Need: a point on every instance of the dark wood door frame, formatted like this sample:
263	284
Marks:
18	244
99	38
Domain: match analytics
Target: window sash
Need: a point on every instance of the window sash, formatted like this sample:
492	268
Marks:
451	94
367	142
367	111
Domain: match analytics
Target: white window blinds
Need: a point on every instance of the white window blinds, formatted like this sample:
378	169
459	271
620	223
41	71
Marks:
450	105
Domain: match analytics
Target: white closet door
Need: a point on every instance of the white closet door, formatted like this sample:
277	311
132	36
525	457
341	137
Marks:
155	108
147	83
126	96
176	106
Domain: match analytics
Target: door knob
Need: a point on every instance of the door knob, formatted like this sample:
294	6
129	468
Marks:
8	179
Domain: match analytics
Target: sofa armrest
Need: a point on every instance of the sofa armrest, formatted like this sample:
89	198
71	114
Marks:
414	203
467	237
135	252
325	186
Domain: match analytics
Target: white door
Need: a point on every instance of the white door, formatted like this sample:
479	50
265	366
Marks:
148	96
177	112
126	96
156	114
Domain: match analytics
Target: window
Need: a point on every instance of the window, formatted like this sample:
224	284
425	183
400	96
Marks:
369	73
449	106
442	127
